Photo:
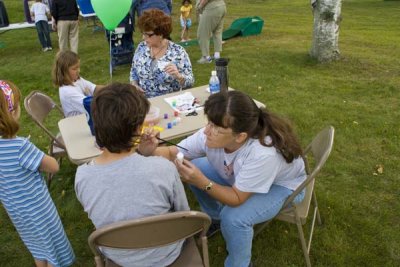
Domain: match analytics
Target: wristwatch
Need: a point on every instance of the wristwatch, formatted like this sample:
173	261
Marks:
208	187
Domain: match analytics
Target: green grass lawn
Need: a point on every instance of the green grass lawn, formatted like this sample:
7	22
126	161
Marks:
359	95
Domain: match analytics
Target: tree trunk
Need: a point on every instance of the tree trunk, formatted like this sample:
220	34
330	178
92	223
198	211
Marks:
325	43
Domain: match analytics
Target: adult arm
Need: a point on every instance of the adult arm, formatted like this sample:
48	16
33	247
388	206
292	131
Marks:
148	146
54	15
49	164
182	70
200	6
227	195
169	5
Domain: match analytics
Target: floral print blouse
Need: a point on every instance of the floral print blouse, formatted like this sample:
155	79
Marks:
149	74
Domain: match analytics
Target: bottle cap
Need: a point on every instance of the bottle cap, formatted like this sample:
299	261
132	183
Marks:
221	62
180	156
213	72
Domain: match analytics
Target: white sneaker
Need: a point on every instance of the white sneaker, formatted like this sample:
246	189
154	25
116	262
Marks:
204	60
49	48
45	49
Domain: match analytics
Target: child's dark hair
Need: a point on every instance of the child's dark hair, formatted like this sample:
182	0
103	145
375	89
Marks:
63	61
184	1
9	126
238	111
118	112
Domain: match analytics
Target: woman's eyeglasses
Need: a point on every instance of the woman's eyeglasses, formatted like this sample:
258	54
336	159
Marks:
215	130
148	34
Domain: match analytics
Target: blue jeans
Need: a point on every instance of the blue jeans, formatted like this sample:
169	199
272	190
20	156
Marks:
237	222
43	31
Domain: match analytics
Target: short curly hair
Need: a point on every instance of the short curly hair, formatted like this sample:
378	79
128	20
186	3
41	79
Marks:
157	21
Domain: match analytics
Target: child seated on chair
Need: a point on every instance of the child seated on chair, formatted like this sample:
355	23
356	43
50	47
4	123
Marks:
72	87
121	184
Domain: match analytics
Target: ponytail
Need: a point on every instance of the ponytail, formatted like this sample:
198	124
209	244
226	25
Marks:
281	133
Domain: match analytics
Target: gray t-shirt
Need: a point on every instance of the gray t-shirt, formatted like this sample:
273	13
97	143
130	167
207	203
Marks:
251	168
132	187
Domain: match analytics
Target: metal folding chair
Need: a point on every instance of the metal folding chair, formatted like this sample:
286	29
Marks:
156	231
317	153
39	106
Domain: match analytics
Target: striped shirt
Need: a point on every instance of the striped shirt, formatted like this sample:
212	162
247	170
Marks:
27	201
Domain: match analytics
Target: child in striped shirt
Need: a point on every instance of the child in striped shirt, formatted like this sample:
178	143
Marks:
24	193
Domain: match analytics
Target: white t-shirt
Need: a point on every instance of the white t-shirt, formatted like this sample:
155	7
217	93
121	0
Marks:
71	96
39	10
251	168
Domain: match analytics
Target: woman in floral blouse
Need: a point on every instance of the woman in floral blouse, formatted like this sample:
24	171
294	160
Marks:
159	66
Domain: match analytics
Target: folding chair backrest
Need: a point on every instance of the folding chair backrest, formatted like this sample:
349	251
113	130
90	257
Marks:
151	231
319	150
38	106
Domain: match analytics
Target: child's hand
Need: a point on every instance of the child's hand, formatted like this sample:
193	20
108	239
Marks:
148	141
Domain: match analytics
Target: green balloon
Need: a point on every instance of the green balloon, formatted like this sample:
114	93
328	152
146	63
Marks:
111	12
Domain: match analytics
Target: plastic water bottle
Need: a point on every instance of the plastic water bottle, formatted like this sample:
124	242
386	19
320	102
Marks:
214	83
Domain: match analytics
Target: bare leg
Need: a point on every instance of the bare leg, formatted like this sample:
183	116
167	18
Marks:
40	263
183	34
187	34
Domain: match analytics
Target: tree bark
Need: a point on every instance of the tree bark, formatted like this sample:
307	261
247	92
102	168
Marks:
327	17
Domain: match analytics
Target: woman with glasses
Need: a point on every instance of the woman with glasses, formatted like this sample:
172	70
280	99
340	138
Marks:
159	65
244	164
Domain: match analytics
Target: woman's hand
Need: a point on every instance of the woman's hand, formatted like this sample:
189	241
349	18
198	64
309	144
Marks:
191	174
172	70
136	85
148	142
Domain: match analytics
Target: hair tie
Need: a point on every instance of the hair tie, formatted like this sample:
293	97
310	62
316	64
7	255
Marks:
8	94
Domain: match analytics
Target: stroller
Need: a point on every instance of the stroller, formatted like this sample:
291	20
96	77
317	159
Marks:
122	47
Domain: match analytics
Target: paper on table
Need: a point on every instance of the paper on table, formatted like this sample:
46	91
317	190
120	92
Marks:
183	103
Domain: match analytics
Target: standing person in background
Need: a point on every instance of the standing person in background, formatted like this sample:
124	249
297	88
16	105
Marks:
212	13
40	12
65	22
24	193
185	19
164	5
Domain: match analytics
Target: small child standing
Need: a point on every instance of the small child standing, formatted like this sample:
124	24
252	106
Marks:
23	191
40	12
185	19
72	88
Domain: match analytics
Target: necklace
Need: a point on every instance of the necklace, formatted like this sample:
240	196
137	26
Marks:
154	55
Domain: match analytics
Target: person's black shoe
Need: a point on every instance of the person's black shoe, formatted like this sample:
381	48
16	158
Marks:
215	227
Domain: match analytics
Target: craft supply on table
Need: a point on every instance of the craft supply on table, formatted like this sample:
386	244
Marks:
183	103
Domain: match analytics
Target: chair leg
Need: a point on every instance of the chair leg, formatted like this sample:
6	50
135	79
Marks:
303	241
316	207
49	178
261	227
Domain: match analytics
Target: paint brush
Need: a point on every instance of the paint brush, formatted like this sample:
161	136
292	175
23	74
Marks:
170	143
